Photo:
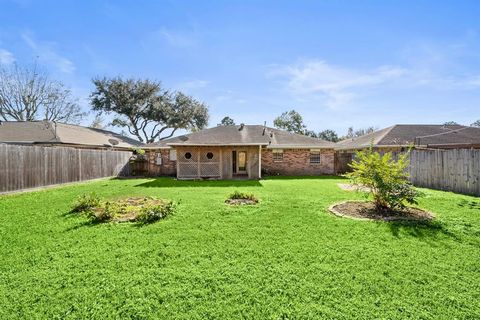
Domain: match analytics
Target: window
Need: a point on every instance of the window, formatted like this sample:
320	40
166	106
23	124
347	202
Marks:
173	155
209	155
277	155
188	155
315	157
159	159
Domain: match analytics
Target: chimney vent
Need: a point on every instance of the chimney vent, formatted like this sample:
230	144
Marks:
242	125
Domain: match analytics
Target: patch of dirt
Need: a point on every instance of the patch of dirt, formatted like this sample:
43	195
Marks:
351	187
235	202
366	211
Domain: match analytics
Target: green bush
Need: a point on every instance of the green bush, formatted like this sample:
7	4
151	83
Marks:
242	195
86	202
156	211
102	213
386	179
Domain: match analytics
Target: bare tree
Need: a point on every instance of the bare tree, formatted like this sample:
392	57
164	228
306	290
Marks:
23	91
97	122
62	106
27	94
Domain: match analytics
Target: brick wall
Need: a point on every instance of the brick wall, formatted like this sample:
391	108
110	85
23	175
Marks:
167	168
297	162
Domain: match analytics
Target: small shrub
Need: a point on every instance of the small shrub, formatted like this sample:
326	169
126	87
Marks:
86	202
156	211
102	213
386	179
242	195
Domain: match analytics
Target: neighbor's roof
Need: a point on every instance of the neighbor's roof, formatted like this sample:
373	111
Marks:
38	132
465	135
244	135
417	134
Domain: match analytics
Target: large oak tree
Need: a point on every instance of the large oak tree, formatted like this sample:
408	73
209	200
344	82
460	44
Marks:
149	112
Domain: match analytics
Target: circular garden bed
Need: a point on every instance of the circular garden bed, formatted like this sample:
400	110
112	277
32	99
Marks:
142	210
365	210
241	198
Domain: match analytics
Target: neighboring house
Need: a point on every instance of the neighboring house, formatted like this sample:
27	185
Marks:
49	133
401	136
226	152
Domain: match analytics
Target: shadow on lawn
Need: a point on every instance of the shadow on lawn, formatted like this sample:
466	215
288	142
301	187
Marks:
420	229
469	204
325	177
165	182
173	183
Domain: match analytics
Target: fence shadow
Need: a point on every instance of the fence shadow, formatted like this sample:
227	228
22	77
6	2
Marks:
173	183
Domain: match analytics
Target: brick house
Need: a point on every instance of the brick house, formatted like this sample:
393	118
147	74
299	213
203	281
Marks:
248	151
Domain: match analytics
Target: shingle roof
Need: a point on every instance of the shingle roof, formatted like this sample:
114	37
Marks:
465	135
61	133
418	134
245	135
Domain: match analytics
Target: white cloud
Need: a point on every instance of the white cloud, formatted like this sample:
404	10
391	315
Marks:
6	57
337	84
47	54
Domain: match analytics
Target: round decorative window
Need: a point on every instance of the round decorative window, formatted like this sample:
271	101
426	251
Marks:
209	155
188	155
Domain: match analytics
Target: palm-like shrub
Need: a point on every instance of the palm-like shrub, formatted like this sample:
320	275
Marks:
385	177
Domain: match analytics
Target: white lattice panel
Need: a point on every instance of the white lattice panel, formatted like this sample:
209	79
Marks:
210	169
188	170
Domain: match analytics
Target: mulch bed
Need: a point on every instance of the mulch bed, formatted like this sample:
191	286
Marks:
364	210
351	187
235	202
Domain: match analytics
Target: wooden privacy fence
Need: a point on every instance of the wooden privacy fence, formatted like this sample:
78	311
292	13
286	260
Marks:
23	167
455	170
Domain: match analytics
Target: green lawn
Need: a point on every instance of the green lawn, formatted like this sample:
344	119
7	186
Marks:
284	258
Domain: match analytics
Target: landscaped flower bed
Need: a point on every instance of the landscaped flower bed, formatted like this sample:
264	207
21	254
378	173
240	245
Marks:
367	210
241	198
385	179
142	210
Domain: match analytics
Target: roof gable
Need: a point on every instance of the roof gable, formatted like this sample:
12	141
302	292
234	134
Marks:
244	135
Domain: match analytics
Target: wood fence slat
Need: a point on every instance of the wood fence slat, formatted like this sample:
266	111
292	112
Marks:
456	170
24	167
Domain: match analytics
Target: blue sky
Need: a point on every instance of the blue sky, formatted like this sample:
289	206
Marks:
339	63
